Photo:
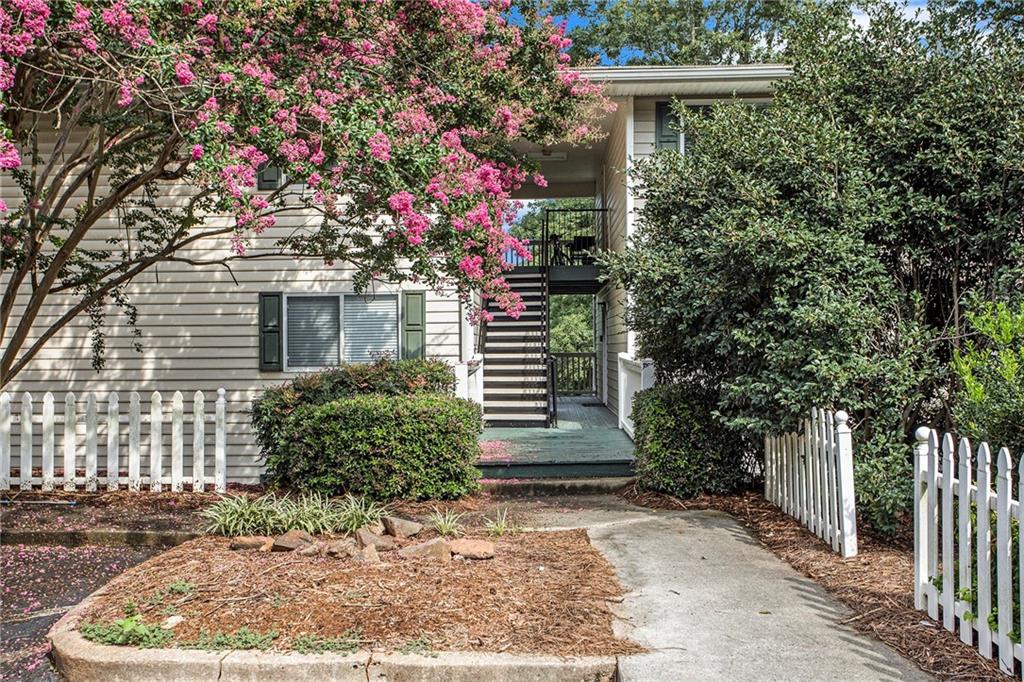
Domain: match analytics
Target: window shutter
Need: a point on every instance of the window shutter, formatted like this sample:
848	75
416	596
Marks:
666	127
270	333
414	324
313	336
371	328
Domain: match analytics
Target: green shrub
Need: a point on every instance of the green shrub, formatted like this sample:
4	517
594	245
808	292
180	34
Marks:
413	447
385	377
682	448
989	400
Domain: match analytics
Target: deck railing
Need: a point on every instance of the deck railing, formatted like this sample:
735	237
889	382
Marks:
571	236
575	373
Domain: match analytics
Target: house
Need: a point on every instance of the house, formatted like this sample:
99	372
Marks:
265	321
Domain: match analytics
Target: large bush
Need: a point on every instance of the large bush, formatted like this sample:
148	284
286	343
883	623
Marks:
682	448
817	252
384	447
385	377
989	402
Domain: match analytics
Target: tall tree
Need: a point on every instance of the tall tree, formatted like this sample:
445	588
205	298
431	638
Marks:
675	31
155	116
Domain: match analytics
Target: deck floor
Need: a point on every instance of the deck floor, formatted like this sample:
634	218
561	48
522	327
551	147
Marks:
587	432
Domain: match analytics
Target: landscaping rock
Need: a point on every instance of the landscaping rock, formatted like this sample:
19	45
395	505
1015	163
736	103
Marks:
369	555
345	547
291	541
376	528
401	528
473	549
172	621
268	545
249	542
382	542
437	548
316	549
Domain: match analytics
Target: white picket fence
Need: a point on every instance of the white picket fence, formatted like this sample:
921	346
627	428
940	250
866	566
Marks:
634	376
809	475
953	551
117	451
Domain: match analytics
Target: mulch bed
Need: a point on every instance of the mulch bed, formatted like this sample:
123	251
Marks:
543	593
877	584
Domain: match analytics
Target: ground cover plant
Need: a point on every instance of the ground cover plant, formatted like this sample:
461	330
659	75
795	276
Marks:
822	251
272	514
278	601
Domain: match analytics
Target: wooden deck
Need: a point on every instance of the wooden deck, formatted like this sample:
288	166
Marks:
587	442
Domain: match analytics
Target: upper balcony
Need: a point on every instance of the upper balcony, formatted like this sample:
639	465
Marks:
567	248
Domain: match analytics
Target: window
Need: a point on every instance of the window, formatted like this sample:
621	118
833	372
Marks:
668	130
323	331
269	177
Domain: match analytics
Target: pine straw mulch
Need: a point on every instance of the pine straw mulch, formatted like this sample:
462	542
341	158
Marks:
877	584
543	593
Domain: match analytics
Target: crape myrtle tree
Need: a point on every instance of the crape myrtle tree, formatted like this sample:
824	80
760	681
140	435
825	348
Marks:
394	122
823	251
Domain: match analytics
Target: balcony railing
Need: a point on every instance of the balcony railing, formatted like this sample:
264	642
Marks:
575	373
570	237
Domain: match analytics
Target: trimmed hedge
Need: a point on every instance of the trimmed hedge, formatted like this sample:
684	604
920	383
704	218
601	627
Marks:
384	447
682	448
385	377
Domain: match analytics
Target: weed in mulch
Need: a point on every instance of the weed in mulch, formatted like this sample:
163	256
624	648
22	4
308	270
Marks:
544	593
877	584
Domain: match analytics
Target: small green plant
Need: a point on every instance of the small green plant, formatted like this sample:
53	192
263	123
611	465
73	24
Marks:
356	512
421	645
500	524
447	522
169	610
242	515
242	638
181	587
128	631
346	643
130	607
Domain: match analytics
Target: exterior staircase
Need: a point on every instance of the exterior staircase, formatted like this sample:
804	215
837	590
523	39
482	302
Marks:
516	381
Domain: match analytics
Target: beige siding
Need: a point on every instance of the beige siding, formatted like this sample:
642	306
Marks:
199	332
615	200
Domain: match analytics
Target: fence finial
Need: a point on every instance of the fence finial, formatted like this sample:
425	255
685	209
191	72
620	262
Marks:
841	418
922	433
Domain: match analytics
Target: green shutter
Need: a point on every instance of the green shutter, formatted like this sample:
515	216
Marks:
414	324
271	334
666	126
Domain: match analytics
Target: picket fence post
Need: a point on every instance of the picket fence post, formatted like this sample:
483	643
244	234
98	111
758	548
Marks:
921	511
134	442
847	500
1004	559
70	436
965	560
90	443
48	442
177	447
156	446
113	441
5	441
220	444
984	534
25	463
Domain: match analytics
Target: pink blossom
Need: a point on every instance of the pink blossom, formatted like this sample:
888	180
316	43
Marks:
225	78
9	157
125	94
208	23
184	73
540	180
197	152
380	147
401	202
472	266
3	209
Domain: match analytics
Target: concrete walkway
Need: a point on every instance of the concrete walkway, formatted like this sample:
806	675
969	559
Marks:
712	604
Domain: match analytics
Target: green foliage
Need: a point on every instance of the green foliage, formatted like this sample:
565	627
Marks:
501	524
421	646
242	638
128	631
682	448
383	447
270	514
345	644
448	522
989	401
386	377
816	252
676	31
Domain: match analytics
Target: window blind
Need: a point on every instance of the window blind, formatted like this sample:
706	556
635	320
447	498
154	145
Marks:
313	323
371	327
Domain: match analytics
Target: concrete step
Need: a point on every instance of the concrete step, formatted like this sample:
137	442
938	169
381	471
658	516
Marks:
534	487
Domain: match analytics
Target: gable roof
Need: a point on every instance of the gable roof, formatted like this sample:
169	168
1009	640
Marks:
725	79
